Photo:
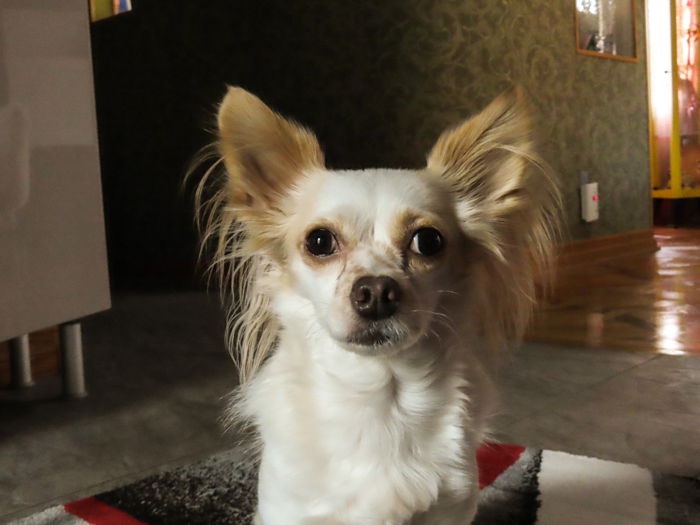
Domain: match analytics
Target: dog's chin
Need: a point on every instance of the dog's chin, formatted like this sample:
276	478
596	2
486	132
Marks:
378	339
373	338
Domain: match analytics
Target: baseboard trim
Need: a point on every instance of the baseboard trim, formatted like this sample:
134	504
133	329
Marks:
607	247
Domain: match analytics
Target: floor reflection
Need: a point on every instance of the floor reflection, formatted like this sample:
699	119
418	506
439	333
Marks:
648	303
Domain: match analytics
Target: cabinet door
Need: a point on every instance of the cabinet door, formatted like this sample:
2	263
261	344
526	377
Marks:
53	264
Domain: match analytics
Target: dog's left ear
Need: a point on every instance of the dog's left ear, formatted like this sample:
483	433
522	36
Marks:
486	160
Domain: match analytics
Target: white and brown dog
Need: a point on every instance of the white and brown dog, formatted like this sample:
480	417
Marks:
369	309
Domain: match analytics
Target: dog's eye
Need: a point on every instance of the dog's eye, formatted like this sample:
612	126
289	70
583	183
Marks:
427	241
321	243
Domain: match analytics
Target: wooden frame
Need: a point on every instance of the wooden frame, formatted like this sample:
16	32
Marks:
599	54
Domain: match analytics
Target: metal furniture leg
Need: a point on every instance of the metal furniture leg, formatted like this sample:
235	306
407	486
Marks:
21	365
72	360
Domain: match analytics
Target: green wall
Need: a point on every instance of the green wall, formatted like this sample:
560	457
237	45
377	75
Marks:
378	81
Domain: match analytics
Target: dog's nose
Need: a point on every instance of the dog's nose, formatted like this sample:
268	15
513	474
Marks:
375	297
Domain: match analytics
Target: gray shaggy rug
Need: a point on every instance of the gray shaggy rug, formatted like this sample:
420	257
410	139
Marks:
518	486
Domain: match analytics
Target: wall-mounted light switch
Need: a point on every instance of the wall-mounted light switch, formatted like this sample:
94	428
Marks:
589	202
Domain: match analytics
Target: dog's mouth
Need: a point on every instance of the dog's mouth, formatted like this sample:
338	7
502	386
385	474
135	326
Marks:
376	336
370	337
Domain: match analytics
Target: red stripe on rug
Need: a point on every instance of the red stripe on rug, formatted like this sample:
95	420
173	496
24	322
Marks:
493	459
98	513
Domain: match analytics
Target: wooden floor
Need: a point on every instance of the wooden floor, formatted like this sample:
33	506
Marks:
647	303
44	354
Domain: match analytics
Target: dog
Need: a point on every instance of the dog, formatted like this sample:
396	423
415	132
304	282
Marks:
370	309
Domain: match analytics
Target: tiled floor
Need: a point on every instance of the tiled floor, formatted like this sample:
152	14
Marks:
631	407
157	372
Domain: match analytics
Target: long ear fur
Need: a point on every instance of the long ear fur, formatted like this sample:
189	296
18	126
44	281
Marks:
509	203
264	156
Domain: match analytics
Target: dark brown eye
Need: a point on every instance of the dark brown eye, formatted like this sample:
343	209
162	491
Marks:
427	241
321	243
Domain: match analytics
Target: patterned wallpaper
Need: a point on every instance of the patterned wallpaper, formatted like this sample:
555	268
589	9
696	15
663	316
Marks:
378	81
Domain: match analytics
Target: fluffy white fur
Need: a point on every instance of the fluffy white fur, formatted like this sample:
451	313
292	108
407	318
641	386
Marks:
379	433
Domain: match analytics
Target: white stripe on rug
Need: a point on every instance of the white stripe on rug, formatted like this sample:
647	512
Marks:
54	516
578	490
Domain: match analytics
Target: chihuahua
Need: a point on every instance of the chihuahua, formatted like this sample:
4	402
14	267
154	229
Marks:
370	309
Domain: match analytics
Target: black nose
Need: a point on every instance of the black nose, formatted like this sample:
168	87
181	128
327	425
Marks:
375	297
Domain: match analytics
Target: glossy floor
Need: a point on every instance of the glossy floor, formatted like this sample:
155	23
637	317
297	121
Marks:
648	303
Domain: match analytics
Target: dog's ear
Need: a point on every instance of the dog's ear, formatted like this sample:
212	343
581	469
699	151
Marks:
263	152
507	201
487	161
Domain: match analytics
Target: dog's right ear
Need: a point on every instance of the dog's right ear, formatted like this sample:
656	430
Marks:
263	153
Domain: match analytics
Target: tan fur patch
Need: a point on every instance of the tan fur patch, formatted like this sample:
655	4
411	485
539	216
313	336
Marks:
263	152
265	155
405	226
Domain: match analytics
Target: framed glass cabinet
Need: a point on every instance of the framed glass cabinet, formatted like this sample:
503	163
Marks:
673	44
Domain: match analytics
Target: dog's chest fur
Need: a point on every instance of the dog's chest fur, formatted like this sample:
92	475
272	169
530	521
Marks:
345	434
